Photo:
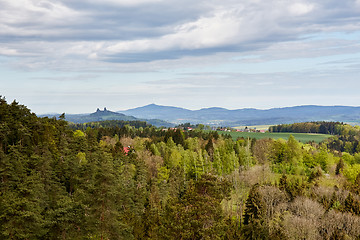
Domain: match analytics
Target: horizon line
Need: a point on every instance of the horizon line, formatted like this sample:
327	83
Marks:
203	108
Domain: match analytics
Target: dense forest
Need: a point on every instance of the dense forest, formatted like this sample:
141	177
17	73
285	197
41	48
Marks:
333	128
130	180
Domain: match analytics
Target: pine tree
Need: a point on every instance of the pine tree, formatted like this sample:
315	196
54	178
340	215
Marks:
254	215
352	205
339	166
178	137
209	147
357	184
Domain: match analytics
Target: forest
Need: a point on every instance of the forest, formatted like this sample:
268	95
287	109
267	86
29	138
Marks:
131	180
334	128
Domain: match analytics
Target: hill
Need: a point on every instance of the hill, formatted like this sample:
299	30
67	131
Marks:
248	116
103	115
153	111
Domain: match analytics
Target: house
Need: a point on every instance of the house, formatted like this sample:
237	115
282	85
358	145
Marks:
126	150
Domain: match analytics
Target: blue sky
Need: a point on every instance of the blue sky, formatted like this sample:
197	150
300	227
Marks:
75	56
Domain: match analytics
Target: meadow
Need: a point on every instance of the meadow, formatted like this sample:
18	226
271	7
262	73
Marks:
302	137
257	127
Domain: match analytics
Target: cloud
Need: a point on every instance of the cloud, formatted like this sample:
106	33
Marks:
105	34
29	20
125	2
298	9
84	78
234	28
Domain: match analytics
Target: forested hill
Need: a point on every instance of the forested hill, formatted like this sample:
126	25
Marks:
104	115
248	116
110	181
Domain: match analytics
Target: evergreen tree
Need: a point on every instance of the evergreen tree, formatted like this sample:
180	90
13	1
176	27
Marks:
254	215
339	166
357	184
352	205
209	147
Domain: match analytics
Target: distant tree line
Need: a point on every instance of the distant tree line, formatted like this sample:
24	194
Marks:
109	124
333	128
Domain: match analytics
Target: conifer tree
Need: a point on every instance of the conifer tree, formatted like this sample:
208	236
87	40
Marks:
339	166
352	205
357	184
254	215
209	147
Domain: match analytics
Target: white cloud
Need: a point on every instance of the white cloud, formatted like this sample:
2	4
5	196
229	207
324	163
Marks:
43	12
125	2
299	9
8	51
238	26
207	32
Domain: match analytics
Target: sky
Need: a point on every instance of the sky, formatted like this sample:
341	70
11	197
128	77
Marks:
76	56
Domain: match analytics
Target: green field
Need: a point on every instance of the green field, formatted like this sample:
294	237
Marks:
302	137
257	127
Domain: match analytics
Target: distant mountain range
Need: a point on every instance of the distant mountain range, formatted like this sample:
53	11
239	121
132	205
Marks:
168	116
247	116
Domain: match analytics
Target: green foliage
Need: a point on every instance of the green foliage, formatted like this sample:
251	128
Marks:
293	188
315	174
348	158
79	134
321	159
310	127
351	172
82	158
197	214
58	182
163	174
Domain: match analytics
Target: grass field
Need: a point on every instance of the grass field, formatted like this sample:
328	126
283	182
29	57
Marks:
257	127
302	137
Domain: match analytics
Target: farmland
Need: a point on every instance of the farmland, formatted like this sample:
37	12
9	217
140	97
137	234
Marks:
257	127
302	137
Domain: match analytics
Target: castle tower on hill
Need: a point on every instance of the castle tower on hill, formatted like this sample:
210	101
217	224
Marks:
98	110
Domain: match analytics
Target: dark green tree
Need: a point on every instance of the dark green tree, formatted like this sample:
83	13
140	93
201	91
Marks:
209	147
254	215
178	137
339	166
352	205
